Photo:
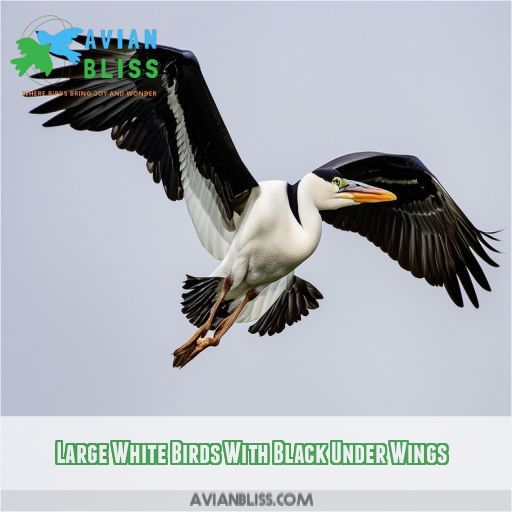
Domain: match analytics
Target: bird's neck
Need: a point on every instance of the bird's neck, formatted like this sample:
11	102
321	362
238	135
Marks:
308	214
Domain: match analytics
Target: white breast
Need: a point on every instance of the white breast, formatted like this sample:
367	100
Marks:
270	243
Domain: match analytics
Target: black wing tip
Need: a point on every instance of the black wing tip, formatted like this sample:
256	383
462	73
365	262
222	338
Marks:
37	110
491	262
459	304
39	75
44	108
490	236
474	301
51	123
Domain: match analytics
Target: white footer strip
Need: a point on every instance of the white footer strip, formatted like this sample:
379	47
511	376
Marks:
322	500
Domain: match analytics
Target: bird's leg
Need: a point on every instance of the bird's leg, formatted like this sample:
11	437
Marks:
203	329
201	344
230	320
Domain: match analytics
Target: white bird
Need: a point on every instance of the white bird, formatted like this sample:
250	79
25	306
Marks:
261	232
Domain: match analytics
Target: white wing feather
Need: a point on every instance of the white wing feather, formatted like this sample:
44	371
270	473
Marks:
200	196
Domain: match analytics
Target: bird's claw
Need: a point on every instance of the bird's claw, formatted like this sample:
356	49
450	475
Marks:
187	352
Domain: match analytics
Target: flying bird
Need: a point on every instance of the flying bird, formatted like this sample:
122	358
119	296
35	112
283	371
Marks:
33	54
59	43
260	232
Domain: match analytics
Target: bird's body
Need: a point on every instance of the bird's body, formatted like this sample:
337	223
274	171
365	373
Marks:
270	242
261	232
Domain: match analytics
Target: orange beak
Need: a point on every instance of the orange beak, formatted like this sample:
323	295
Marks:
365	194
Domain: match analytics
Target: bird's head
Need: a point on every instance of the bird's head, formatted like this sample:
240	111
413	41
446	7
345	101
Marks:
42	36
330	191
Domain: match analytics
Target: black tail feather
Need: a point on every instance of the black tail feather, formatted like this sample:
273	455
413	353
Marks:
198	300
289	307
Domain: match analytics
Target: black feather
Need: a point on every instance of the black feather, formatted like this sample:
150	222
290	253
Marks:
424	229
146	124
289	308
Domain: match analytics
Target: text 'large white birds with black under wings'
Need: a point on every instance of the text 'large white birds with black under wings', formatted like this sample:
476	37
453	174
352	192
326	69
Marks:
260	232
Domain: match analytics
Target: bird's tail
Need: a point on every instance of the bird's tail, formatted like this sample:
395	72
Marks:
21	64
198	300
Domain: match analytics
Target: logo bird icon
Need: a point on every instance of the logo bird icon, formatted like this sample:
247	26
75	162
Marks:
32	54
59	43
38	54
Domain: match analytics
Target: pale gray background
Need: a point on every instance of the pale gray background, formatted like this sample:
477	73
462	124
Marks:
94	254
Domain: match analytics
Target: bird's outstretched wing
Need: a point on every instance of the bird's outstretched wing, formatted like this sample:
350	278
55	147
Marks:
424	230
178	130
290	306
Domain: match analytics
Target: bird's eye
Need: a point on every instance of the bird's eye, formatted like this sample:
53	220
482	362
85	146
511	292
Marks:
339	182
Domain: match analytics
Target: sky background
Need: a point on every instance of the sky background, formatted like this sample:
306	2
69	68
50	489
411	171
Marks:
93	254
